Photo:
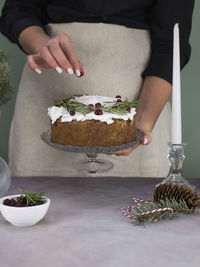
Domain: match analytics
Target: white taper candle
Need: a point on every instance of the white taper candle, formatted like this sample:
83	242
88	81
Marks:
176	134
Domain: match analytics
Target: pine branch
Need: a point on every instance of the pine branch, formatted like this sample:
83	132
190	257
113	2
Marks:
5	87
178	208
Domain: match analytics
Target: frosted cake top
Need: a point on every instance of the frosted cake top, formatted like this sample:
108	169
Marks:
87	107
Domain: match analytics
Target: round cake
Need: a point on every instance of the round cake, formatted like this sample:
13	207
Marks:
93	121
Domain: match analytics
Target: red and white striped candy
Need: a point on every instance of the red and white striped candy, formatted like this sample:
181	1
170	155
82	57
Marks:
127	210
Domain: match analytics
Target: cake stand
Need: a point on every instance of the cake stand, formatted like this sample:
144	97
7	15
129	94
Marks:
92	164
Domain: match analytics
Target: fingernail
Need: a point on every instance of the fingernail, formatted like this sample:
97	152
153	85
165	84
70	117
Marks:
78	73
145	141
58	69
70	71
38	71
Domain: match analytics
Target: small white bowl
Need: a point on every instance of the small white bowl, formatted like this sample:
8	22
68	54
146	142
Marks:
23	216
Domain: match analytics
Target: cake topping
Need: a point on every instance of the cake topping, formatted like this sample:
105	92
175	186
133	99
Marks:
98	112
85	109
72	112
119	100
118	96
98	105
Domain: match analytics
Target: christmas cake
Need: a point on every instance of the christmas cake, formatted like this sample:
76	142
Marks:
93	121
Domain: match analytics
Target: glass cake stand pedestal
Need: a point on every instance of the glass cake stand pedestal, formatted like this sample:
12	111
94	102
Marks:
92	164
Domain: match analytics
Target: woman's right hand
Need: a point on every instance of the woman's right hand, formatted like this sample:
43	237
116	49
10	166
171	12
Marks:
44	52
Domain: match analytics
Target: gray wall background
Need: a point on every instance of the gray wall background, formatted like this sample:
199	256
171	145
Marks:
190	98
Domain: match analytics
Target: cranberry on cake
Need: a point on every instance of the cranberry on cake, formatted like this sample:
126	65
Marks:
93	121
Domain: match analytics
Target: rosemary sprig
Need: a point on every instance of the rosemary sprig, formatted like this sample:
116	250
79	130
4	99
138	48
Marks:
126	103
120	108
31	197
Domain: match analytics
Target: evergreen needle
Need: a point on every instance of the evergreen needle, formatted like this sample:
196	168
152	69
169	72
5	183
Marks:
178	208
31	197
5	87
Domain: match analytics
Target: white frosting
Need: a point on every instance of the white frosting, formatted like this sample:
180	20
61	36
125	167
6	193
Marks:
60	112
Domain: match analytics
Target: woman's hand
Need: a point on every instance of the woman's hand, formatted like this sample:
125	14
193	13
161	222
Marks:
56	53
154	95
145	141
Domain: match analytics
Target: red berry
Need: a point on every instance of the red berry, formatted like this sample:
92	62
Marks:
72	112
118	96
129	109
12	202
91	105
98	112
18	204
23	200
119	100
6	202
98	105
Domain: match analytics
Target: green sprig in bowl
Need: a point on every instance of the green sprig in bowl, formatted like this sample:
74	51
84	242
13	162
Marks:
32	209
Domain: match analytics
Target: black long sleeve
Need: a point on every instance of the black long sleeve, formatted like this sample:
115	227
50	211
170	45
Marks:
158	16
162	17
18	15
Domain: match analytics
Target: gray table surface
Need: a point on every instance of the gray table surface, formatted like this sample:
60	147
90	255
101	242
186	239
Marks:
85	228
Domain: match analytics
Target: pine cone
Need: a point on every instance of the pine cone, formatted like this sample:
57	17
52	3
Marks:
177	192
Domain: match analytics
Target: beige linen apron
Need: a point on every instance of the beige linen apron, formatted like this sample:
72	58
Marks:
114	57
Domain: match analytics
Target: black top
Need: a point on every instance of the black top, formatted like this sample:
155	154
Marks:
159	16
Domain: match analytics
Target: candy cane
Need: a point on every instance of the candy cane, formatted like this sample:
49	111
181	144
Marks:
127	210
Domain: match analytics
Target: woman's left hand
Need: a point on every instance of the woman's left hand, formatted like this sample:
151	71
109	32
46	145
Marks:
154	95
145	141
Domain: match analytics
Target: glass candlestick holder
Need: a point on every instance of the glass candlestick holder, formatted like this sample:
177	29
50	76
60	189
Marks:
176	157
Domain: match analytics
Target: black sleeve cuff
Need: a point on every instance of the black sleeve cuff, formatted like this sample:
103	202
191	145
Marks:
160	65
